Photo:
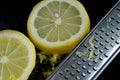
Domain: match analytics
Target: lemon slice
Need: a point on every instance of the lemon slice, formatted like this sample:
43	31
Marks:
57	26
17	56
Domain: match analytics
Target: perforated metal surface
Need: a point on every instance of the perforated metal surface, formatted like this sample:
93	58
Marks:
95	52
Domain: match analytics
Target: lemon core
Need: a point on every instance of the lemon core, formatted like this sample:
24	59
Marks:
4	59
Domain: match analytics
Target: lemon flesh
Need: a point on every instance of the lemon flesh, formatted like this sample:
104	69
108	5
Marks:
17	56
57	26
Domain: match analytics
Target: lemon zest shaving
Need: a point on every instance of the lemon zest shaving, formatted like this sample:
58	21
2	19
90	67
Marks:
53	59
90	42
78	53
42	57
90	56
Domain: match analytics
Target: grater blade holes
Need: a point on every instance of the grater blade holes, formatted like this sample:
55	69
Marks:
95	60
106	40
107	34
102	30
112	38
118	28
101	36
72	73
112	17
96	53
78	70
118	8
106	48
95	46
66	77
96	33
89	64
101	43
85	46
96	39
118	21
66	69
77	78
112	24
79	63
106	54
84	67
112	44
101	58
61	73
117	42
95	68
83	74
112	31
73	66
89	71
84	60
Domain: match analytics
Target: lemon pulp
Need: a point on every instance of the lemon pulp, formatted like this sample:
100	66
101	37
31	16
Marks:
17	56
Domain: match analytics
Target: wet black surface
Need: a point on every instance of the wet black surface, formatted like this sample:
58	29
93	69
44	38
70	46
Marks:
14	15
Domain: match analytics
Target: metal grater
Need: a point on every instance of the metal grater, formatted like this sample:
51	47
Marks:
95	52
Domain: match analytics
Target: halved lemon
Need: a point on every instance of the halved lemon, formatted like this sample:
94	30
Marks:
57	26
17	56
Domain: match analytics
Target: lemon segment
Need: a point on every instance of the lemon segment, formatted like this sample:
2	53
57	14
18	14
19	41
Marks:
17	56
57	26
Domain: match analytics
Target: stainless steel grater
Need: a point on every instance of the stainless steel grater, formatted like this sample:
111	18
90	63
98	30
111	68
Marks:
95	52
